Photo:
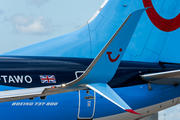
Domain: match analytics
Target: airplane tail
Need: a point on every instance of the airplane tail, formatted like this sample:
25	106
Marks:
155	38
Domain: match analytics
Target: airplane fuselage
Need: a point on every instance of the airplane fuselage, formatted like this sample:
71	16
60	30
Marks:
27	72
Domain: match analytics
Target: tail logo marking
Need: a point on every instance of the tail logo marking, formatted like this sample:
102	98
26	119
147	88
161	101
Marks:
161	23
113	60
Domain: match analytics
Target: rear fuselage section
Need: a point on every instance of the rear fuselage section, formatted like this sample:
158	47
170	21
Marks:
28	72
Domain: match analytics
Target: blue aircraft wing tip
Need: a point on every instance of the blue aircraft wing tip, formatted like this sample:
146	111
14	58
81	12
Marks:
104	66
116	47
108	93
139	11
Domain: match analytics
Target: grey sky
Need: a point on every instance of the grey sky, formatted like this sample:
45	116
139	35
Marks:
24	22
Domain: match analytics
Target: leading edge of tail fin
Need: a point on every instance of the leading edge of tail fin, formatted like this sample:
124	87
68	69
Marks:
104	66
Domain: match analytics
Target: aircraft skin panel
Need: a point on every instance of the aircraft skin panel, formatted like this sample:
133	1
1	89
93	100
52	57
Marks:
171	48
64	71
58	63
153	46
61	105
170	6
147	110
24	72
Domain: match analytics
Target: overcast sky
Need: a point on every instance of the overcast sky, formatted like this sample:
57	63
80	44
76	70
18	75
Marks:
24	22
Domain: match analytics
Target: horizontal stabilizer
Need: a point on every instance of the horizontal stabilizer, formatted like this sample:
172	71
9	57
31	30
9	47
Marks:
107	92
20	92
164	78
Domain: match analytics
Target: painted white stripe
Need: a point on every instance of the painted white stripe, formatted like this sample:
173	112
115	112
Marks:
97	13
104	3
104	96
94	16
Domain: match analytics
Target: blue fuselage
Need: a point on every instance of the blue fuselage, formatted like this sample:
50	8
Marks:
23	72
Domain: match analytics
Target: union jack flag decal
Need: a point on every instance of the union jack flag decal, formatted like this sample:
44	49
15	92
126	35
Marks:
47	79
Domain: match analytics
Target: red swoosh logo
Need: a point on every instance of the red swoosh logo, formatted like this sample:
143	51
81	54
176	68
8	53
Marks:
113	60
166	25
